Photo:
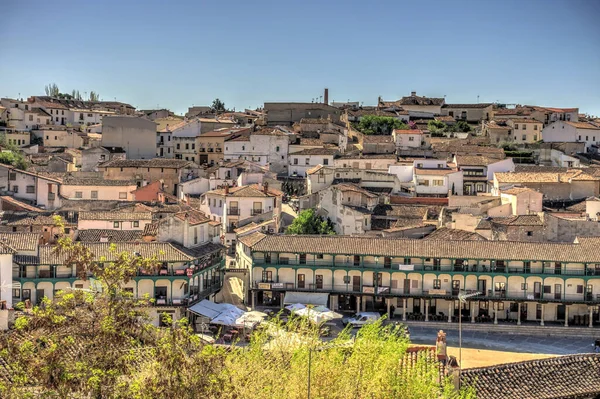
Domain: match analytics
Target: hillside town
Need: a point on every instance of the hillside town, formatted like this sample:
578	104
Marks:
426	211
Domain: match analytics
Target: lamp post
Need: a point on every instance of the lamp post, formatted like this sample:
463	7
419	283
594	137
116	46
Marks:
463	299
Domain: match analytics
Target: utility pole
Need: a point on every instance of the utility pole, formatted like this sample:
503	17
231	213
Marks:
462	299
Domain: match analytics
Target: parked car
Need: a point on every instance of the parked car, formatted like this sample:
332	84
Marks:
361	318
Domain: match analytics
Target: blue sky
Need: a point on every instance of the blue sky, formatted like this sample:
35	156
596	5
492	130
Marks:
178	53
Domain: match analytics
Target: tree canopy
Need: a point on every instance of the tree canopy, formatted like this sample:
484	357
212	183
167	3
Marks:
11	155
373	124
441	128
218	105
52	90
308	222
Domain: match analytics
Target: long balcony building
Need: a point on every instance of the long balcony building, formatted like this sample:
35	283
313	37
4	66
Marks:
518	281
183	276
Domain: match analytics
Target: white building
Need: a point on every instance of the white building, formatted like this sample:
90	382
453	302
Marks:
97	189
409	139
266	147
189	228
38	189
435	178
99	220
564	131
308	158
231	206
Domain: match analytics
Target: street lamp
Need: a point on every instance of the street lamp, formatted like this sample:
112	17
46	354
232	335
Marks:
463	299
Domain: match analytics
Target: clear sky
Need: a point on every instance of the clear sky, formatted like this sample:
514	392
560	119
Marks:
175	54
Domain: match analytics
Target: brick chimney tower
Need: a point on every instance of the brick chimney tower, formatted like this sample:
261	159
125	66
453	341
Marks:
326	96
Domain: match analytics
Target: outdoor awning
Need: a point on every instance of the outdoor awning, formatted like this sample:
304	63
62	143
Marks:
206	308
306	298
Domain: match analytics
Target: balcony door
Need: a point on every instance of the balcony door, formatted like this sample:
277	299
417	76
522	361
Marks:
482	286
557	291
560	312
537	290
406	286
301	281
355	283
319	281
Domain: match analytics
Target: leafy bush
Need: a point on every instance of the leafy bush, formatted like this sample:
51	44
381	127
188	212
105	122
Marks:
372	124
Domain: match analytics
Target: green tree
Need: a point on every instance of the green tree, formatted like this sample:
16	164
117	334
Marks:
52	90
308	222
94	96
373	124
462	126
435	126
218	105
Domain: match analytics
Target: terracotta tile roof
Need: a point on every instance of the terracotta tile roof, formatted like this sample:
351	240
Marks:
474	160
315	151
320	121
405	211
512	111
585	252
434	172
252	239
564	377
583	125
544	177
86	181
372	138
270	132
146	163
415	100
526	121
163	251
247	191
314	169
478	105
343	187
192	216
408	131
518	190
15	202
21	241
520	220
94	215
445	233
95	235
310	141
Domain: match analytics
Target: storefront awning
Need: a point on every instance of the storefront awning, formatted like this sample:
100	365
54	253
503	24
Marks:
306	298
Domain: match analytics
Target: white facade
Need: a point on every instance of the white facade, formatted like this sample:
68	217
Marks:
300	163
98	192
6	265
433	177
562	131
264	149
39	190
408	139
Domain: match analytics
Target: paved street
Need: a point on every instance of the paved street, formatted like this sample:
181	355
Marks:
559	345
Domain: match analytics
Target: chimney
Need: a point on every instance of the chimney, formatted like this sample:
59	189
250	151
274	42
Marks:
266	188
326	96
226	189
413	93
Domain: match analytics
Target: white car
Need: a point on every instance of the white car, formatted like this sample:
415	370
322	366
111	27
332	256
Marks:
361	318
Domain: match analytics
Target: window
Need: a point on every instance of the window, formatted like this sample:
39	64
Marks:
534	127
479	187
524	137
295	161
319	256
12	176
411	138
187	146
15	189
580	289
136	223
122	195
243	148
55	137
78	194
579	138
424	183
94	195
277	148
346	279
438	183
31	118
523	286
193	146
547	289
535	137
178	146
307	161
30	189
529	233
325	161
301	280
437	284
516	126
116	225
